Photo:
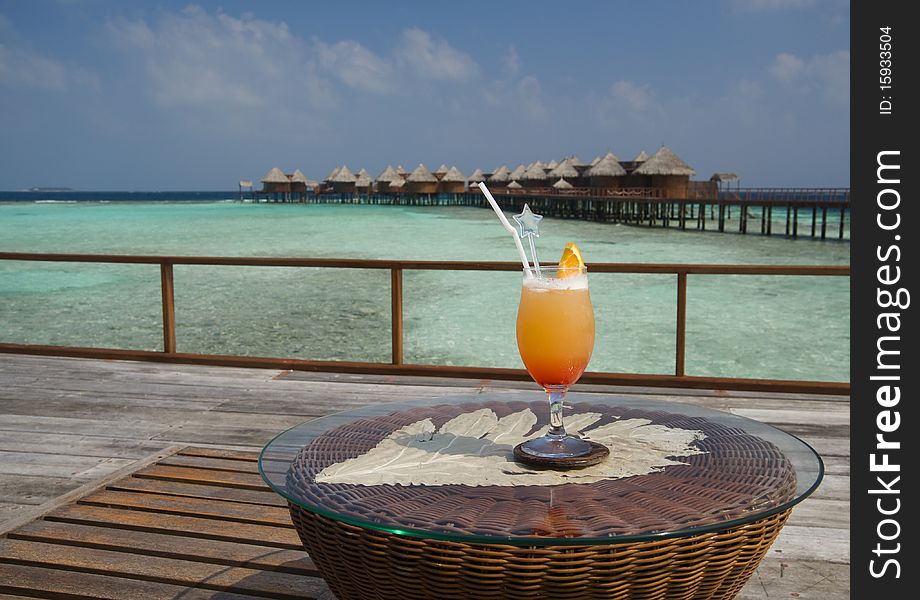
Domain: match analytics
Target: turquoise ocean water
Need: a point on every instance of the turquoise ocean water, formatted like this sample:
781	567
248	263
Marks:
738	326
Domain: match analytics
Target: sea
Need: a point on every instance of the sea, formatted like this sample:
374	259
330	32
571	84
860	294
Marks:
784	327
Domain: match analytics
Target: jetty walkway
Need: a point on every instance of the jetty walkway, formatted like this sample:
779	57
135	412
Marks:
819	213
138	479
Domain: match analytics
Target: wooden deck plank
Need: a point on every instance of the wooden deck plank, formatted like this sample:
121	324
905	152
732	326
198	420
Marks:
77	444
54	583
800	579
169	546
212	463
242	533
172	571
70	466
193	490
813	543
194	507
25	490
246	481
219	453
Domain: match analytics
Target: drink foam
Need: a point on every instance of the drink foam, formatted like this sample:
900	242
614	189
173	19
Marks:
575	282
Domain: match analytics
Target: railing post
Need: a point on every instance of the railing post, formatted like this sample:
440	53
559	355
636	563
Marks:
396	320
169	308
681	341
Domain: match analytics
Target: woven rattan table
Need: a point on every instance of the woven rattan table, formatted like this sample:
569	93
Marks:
423	499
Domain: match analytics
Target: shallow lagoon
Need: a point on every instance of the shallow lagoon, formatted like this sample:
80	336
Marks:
740	326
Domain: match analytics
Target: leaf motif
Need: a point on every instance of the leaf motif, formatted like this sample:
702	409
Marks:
513	427
476	449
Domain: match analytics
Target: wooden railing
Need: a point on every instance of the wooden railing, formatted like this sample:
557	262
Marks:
786	195
397	365
592	192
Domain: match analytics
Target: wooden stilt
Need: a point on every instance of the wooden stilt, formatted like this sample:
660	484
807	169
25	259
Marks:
823	222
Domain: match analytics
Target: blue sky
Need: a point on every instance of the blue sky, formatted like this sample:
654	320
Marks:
116	95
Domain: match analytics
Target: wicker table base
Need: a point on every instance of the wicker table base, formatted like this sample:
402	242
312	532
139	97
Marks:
365	564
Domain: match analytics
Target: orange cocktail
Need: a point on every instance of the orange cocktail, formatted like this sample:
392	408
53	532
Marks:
555	327
555	335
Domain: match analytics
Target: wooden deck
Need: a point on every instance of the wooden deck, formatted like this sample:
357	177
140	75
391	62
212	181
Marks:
101	494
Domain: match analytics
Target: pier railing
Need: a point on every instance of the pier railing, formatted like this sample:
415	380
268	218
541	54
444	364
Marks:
397	364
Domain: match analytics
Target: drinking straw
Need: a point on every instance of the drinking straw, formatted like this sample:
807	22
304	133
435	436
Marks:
508	226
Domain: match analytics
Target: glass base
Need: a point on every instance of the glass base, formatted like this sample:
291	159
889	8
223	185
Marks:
549	446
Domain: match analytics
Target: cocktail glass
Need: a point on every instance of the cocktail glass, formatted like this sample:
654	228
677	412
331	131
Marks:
555	335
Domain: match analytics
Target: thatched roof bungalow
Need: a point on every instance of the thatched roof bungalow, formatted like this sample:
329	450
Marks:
514	185
440	172
386	176
517	173
563	169
563	185
275	181
363	180
452	182
725	182
477	176
534	176
500	177
631	166
299	182
606	173
421	181
665	171
725	177
343	181
397	185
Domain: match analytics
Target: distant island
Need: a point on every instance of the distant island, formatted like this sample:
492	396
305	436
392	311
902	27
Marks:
49	189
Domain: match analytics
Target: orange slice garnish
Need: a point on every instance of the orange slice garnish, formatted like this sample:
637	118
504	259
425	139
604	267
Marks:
571	263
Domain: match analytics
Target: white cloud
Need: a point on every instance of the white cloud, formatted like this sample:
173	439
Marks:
627	101
530	94
194	58
825	74
198	58
634	97
356	66
434	59
20	68
787	67
832	73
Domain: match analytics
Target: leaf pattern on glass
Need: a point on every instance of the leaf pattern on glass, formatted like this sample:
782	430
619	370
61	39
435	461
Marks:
475	449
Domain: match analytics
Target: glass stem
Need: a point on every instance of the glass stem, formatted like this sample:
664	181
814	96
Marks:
556	397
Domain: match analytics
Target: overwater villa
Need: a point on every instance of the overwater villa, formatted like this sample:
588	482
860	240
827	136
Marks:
654	190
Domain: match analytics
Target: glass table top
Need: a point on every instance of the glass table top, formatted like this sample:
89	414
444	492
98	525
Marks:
443	469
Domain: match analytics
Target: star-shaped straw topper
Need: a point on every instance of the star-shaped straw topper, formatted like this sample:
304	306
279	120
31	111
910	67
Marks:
529	224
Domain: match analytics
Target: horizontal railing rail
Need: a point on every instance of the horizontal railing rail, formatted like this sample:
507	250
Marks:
397	365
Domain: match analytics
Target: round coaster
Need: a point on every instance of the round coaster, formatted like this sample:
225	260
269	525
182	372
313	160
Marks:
598	454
